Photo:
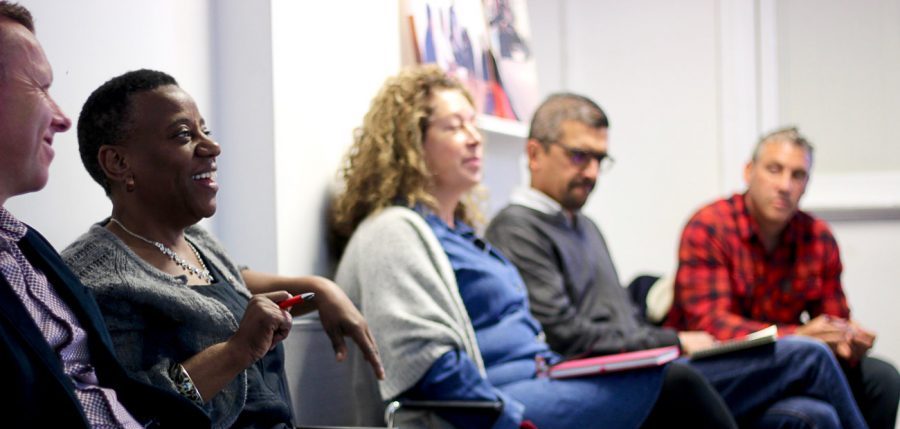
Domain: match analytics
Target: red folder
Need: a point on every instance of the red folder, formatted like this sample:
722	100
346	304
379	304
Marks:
612	363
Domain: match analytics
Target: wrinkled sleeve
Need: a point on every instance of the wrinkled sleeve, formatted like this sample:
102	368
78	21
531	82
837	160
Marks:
454	377
833	302
389	271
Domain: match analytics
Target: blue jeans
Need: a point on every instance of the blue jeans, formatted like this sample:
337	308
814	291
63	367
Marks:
794	383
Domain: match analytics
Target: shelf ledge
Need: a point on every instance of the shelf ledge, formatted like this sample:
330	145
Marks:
507	127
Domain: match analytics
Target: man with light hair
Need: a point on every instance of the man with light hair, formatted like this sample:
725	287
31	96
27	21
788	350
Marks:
756	259
60	368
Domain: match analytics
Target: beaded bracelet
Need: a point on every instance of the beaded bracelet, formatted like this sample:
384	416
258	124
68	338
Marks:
184	385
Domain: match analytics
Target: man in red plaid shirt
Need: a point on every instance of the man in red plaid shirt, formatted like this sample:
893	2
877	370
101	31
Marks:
755	259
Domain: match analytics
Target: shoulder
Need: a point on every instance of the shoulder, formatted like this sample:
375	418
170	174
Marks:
515	220
515	212
717	215
92	254
391	225
813	229
36	237
811	223
200	237
392	239
715	210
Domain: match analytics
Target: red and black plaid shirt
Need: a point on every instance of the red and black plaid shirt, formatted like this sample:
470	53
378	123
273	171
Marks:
729	286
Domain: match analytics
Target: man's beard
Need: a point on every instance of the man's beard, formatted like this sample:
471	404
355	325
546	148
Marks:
571	202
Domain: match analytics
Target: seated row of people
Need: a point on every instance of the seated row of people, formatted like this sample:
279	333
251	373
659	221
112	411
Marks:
188	338
455	319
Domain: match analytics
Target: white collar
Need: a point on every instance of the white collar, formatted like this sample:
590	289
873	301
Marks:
535	200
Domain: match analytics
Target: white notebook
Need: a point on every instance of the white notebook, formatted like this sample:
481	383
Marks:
759	338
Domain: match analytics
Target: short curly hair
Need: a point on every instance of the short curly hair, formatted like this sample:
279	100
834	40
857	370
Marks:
386	164
105	118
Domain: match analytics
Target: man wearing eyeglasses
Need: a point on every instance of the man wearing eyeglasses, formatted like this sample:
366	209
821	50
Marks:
755	259
574	290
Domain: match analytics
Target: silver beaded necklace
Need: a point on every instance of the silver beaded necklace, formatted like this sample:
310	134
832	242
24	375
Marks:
201	273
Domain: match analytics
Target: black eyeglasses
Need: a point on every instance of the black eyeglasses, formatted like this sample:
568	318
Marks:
581	157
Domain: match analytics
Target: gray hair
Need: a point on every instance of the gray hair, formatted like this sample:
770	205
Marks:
787	134
561	107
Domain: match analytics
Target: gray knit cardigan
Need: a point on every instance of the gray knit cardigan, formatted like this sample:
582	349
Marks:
154	318
398	275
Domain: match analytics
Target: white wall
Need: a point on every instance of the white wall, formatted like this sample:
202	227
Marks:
87	42
871	278
326	71
243	98
652	66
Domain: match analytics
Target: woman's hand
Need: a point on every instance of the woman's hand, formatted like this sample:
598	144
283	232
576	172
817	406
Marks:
340	318
263	326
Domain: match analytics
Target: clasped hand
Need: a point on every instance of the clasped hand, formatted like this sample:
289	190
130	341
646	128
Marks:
846	338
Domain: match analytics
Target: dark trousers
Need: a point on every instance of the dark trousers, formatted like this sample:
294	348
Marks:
876	387
688	400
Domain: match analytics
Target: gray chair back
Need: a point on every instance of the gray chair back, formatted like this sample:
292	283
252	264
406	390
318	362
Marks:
325	392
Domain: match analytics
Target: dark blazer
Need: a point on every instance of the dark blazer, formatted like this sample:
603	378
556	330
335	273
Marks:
37	391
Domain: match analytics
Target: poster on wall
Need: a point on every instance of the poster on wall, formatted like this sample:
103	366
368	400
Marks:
457	36
510	38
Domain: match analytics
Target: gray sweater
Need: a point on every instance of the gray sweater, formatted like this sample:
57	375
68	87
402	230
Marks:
573	286
396	272
154	318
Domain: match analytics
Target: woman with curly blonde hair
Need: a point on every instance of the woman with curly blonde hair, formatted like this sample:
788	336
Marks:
386	165
449	313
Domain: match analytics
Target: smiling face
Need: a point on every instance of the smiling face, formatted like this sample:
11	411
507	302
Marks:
558	171
775	182
170	156
29	118
452	146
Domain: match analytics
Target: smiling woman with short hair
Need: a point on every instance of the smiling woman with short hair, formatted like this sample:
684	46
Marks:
182	315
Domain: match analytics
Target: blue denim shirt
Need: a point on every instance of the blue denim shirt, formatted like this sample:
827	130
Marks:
508	336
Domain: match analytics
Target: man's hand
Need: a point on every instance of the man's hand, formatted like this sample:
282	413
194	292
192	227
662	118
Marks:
341	318
833	331
860	342
694	341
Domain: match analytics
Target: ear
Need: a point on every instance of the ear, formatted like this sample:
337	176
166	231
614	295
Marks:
534	150
113	162
748	171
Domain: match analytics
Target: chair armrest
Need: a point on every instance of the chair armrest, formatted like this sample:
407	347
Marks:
493	408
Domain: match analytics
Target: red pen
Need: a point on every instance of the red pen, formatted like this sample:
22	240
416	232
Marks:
296	299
